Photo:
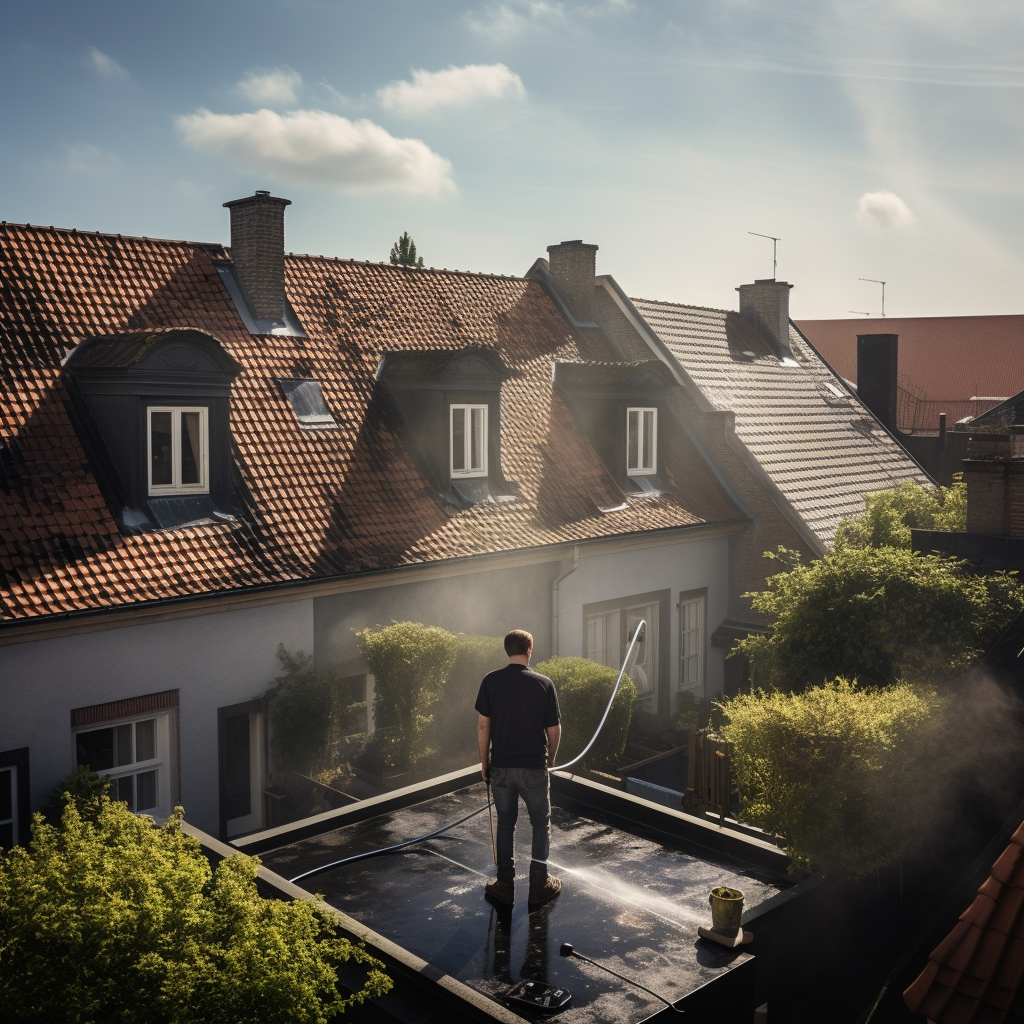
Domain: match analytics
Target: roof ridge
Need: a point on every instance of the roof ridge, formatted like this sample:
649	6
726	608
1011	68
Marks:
111	234
684	305
404	268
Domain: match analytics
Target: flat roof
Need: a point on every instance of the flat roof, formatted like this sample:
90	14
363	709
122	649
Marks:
632	899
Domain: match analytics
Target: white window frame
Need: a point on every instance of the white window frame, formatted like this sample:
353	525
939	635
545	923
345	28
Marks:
606	634
176	486
692	645
469	471
13	819
161	763
640	469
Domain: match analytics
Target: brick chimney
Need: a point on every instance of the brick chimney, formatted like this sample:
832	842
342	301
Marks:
994	474
766	305
257	250
573	268
877	362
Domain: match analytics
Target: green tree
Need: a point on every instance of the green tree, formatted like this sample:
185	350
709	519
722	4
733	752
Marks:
403	252
584	688
877	615
890	515
833	770
118	920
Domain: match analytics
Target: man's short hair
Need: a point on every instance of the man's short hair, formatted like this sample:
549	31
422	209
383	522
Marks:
518	642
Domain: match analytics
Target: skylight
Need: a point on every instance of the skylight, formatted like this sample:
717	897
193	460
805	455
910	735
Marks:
307	402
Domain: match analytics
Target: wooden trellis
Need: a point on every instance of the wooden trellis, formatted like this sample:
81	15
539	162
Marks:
707	774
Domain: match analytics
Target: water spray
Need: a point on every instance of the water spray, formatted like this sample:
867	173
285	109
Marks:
636	638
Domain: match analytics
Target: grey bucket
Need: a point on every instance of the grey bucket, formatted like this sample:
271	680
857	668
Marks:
726	910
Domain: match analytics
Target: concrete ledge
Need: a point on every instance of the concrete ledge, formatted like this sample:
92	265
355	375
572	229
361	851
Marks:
328	821
413	976
683	828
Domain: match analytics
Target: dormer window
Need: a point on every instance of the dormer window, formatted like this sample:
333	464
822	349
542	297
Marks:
178	450
468	440
641	441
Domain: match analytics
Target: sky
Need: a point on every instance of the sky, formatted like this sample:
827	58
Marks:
880	140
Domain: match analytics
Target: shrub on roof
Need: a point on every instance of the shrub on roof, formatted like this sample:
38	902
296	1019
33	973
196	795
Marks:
834	770
584	688
877	615
115	919
891	514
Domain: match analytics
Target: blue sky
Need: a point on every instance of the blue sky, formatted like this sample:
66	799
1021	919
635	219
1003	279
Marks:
878	139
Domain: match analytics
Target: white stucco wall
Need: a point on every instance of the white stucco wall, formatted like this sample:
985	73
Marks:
679	567
213	660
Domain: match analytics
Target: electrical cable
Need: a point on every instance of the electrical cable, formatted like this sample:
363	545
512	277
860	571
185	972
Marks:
567	950
637	637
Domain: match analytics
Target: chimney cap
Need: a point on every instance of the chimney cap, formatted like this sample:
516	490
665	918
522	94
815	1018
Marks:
260	196
575	241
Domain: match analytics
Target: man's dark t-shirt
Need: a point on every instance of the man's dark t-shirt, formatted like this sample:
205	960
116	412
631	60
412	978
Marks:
521	704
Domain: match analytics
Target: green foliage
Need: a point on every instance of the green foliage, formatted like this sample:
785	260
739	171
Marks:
83	787
308	713
890	515
453	729
410	663
583	690
403	252
117	920
697	713
877	615
833	769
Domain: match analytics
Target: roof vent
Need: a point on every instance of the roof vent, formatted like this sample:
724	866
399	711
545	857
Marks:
307	402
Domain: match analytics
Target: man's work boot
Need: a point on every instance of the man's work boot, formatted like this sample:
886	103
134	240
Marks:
501	891
539	895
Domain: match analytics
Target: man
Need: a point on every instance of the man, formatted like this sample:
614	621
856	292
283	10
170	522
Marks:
518	733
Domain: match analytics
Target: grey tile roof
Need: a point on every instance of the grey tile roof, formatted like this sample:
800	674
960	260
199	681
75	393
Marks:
824	451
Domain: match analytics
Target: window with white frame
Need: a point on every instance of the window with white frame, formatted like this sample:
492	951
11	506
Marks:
134	756
691	644
469	440
608	629
8	807
178	446
641	441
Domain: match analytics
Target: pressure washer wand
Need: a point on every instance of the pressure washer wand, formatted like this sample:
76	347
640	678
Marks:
490	817
567	950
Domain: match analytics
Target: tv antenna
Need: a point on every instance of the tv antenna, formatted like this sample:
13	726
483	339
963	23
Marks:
873	280
775	250
859	312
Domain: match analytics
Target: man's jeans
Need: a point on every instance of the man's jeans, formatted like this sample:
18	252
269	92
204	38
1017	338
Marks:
508	785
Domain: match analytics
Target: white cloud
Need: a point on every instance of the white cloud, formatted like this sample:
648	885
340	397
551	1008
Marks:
454	87
506	20
314	147
85	158
277	87
883	210
106	67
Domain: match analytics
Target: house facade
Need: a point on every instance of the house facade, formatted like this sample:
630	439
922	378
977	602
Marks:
208	453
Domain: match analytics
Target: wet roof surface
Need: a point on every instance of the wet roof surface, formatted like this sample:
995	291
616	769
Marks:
629	901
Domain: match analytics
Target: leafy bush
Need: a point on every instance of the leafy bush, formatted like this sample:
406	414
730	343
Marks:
410	663
308	714
832	770
583	690
696	713
118	920
891	514
83	787
877	615
453	729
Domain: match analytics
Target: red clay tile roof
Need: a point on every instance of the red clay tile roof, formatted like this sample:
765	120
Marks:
976	974
319	503
944	361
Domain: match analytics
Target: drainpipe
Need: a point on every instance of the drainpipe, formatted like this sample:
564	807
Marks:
568	569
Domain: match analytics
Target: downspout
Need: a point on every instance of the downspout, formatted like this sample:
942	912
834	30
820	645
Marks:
568	568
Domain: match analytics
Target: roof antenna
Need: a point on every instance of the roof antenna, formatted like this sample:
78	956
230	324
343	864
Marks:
874	280
859	312
775	250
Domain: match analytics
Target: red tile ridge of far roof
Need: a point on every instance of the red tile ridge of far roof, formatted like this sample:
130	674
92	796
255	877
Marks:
686	305
227	248
976	974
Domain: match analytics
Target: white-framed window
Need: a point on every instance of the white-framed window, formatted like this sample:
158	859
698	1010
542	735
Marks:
178	449
608	628
691	644
9	807
135	755
641	441
469	440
